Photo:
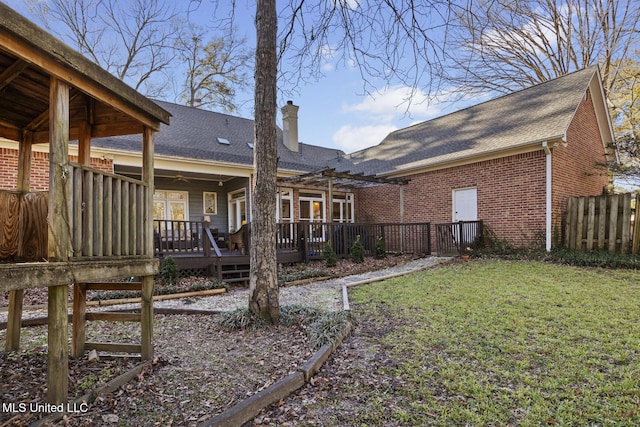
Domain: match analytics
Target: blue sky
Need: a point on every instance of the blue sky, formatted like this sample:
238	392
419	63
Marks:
334	112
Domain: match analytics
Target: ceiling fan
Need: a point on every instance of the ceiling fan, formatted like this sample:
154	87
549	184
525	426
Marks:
180	178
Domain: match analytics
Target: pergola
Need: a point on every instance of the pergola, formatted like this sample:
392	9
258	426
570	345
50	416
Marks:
330	178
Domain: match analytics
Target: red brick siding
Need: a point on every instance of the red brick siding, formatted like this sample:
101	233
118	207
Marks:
511	196
578	168
39	178
511	190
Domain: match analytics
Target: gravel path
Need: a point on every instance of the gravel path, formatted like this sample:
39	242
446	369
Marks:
326	294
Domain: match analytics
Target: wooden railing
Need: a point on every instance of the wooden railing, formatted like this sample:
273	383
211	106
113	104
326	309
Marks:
454	238
179	236
396	238
107	213
183	237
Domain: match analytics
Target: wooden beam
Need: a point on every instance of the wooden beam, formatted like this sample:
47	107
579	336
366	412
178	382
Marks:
12	72
113	317
113	347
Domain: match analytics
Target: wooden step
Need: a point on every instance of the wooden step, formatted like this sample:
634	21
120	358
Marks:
113	347
115	286
114	317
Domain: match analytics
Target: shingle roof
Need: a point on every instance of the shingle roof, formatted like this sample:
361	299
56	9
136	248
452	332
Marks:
194	134
542	112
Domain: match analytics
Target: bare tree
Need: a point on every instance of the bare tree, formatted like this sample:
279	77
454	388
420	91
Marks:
263	282
133	40
215	71
503	45
388	40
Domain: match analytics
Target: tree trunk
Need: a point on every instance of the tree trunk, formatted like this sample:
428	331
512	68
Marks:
263	283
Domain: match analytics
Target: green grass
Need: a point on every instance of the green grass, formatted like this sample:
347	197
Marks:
508	343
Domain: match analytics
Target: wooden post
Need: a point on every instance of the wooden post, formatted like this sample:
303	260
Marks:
146	322
16	297
147	230
79	319
59	241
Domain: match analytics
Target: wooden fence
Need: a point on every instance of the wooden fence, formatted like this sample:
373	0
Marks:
601	223
454	238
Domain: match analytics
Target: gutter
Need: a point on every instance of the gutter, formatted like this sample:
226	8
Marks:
548	177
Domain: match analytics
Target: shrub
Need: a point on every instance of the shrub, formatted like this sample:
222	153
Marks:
169	271
329	255
381	252
357	251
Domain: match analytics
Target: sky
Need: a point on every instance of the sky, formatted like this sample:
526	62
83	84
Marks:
334	111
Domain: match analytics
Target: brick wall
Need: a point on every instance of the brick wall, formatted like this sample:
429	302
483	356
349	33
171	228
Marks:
39	178
578	167
511	197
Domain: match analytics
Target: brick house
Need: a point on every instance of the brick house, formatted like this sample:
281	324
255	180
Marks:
511	162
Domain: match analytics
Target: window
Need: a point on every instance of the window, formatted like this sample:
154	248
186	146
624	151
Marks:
343	207
210	203
170	205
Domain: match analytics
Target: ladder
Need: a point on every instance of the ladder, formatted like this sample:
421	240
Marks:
80	316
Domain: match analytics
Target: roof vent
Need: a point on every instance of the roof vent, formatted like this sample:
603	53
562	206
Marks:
223	141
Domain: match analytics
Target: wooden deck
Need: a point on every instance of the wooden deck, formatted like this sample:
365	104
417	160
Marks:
194	247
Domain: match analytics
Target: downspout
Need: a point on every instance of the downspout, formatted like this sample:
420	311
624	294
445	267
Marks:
547	151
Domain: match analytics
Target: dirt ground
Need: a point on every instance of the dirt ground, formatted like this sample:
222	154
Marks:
204	372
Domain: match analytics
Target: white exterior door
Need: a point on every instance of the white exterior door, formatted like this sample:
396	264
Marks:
465	204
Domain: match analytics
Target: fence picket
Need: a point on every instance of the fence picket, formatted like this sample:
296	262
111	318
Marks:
603	223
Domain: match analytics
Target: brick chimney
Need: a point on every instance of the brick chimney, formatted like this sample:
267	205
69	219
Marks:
290	126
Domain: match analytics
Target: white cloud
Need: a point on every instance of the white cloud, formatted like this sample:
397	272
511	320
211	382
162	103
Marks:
394	102
353	138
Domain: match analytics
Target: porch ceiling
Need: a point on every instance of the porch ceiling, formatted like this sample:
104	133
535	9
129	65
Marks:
341	180
30	58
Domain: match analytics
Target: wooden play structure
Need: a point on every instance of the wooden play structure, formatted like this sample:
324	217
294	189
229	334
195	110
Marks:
90	225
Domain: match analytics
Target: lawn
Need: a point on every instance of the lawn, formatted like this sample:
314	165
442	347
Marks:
504	343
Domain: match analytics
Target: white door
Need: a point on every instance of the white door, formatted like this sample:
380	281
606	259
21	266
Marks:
465	204
465	208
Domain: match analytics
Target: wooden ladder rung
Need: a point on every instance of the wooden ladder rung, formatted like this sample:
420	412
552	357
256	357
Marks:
113	347
115	286
114	317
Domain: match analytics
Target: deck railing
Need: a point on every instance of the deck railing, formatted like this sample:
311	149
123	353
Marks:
107	213
308	238
179	236
394	238
454	238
